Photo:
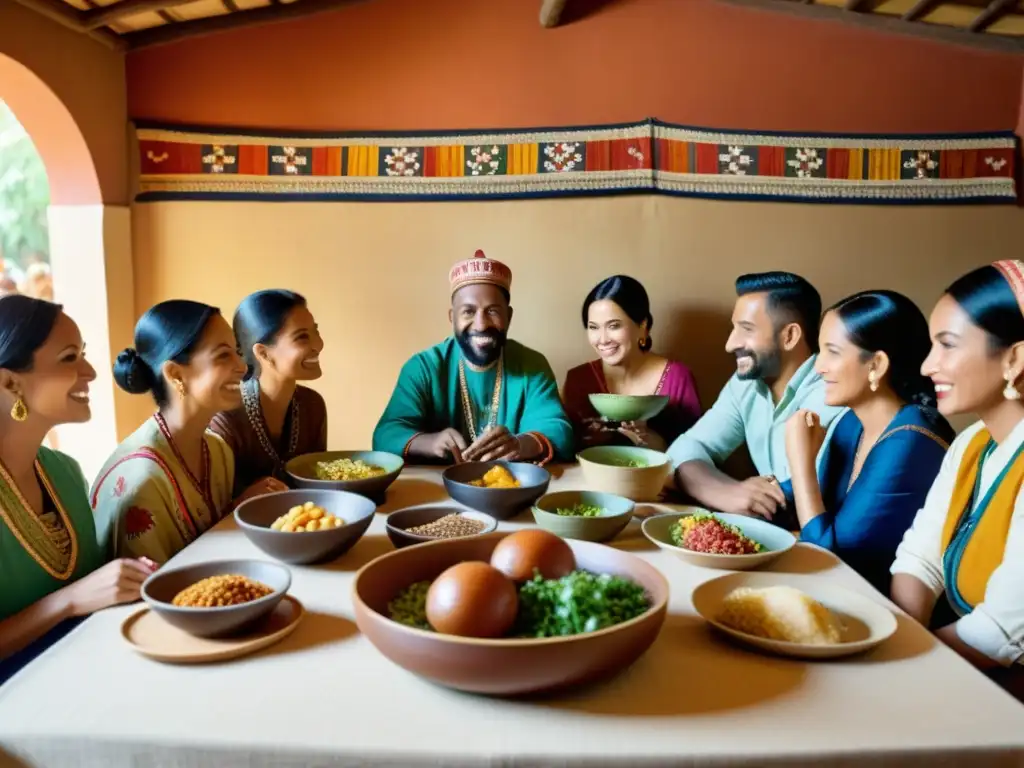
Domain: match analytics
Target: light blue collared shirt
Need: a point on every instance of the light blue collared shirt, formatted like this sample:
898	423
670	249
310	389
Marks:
745	411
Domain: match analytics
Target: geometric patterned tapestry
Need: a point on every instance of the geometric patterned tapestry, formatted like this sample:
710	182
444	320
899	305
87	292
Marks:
178	163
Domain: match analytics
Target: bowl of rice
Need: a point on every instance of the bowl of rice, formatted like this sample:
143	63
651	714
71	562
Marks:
718	540
368	473
792	615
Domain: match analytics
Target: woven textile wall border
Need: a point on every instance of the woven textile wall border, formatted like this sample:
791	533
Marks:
189	163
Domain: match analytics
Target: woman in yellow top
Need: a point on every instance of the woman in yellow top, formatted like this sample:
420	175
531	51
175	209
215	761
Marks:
53	569
172	479
967	542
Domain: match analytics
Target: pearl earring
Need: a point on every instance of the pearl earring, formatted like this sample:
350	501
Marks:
873	381
1009	391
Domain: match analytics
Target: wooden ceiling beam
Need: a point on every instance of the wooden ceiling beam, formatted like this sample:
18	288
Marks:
109	14
891	24
72	18
169	33
920	8
551	12
995	11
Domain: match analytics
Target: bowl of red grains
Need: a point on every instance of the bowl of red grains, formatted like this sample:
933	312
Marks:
718	540
417	525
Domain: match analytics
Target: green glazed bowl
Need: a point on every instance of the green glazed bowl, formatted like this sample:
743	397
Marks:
628	407
616	516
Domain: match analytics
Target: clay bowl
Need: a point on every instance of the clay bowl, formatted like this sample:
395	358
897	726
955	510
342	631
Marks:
302	471
160	588
503	667
499	503
256	515
607	469
401	520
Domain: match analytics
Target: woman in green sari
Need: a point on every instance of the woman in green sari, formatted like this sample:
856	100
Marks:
172	479
53	570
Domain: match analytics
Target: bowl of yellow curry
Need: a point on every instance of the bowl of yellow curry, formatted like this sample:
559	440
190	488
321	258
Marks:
368	473
501	489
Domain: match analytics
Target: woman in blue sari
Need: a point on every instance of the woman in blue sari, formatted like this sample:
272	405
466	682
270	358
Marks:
880	456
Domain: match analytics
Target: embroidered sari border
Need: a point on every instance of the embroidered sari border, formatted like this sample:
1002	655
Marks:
650	156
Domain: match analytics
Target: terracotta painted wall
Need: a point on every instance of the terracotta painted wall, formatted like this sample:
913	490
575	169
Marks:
404	64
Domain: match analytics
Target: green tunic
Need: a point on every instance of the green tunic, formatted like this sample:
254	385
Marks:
23	580
427	399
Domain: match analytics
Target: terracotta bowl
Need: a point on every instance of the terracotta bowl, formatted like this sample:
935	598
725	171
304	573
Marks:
605	470
503	667
256	515
499	503
160	588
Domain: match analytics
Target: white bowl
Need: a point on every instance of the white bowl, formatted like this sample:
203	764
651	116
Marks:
775	540
866	623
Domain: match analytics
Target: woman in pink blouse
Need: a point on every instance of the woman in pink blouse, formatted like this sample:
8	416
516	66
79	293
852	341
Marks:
617	316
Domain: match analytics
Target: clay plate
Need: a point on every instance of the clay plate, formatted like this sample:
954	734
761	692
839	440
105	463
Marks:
151	636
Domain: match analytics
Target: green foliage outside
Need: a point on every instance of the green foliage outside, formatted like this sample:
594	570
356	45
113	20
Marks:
24	195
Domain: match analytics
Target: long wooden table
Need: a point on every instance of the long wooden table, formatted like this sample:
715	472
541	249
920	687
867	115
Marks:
326	697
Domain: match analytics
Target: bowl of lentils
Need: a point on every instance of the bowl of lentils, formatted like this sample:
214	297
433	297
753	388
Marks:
417	525
583	515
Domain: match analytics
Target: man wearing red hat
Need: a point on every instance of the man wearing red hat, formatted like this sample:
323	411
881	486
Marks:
476	396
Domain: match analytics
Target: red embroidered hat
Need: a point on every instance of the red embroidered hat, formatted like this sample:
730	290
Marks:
480	269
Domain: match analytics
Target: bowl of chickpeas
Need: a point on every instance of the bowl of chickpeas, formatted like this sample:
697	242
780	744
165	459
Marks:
218	598
305	526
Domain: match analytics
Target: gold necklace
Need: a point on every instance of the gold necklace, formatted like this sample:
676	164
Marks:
50	562
467	403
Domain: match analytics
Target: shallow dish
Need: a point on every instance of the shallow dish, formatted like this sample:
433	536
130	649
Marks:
400	520
256	515
628	407
302	471
866	623
499	503
605	469
503	667
161	587
618	511
775	540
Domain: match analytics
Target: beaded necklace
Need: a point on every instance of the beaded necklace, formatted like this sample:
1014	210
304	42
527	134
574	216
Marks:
467	403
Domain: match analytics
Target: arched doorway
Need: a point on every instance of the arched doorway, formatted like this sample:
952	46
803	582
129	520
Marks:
76	243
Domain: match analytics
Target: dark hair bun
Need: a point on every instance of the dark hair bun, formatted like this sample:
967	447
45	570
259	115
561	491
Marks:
132	374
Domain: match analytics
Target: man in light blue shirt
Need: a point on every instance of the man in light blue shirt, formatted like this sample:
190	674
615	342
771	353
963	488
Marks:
775	339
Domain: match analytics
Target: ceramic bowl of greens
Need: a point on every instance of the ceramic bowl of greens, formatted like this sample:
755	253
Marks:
368	473
638	474
628	407
584	515
619	606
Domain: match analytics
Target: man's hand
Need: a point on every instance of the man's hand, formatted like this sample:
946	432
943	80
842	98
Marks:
759	496
440	445
496	443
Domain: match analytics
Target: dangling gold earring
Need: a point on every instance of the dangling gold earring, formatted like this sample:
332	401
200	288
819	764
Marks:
1009	391
19	412
179	386
873	381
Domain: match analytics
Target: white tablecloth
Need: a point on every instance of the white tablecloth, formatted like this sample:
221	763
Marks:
326	697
